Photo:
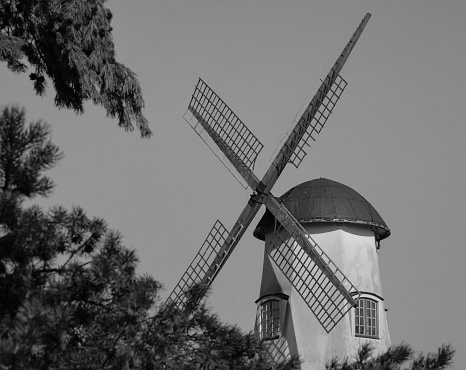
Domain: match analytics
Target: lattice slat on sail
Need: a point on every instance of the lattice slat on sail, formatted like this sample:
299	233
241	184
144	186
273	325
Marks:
320	294
318	121
201	270
222	125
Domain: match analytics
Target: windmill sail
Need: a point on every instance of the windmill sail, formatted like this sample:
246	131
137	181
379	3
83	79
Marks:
208	114
294	139
201	268
213	254
315	116
321	284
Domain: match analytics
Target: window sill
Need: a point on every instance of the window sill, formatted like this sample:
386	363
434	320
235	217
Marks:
365	336
271	338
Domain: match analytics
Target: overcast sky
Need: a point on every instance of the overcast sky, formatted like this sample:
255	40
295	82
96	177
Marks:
397	136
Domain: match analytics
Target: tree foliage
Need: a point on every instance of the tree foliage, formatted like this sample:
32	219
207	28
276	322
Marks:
396	357
194	338
71	295
70	42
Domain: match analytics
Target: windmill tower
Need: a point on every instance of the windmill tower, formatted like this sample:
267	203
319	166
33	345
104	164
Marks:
326	292
349	230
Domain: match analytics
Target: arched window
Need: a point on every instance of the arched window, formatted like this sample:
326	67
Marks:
366	318
270	319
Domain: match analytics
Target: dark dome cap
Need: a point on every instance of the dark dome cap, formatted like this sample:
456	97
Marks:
323	200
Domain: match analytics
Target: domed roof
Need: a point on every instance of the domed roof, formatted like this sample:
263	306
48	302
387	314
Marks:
323	200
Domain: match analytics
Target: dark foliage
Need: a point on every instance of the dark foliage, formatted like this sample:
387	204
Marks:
70	42
396	357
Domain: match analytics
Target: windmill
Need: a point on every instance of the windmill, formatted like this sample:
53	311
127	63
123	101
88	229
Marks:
321	284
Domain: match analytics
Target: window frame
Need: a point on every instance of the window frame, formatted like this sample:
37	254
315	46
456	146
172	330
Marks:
269	321
370	318
276	306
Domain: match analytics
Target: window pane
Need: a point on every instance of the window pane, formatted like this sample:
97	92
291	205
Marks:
366	318
270	319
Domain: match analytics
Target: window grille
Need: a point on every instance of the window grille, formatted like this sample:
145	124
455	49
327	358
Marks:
366	318
270	319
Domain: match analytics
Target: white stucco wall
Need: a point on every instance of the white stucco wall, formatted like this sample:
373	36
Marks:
353	249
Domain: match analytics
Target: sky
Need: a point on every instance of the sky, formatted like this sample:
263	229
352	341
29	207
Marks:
397	136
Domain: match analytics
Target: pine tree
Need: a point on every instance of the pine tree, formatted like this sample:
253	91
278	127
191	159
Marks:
69	288
25	152
396	357
70	42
